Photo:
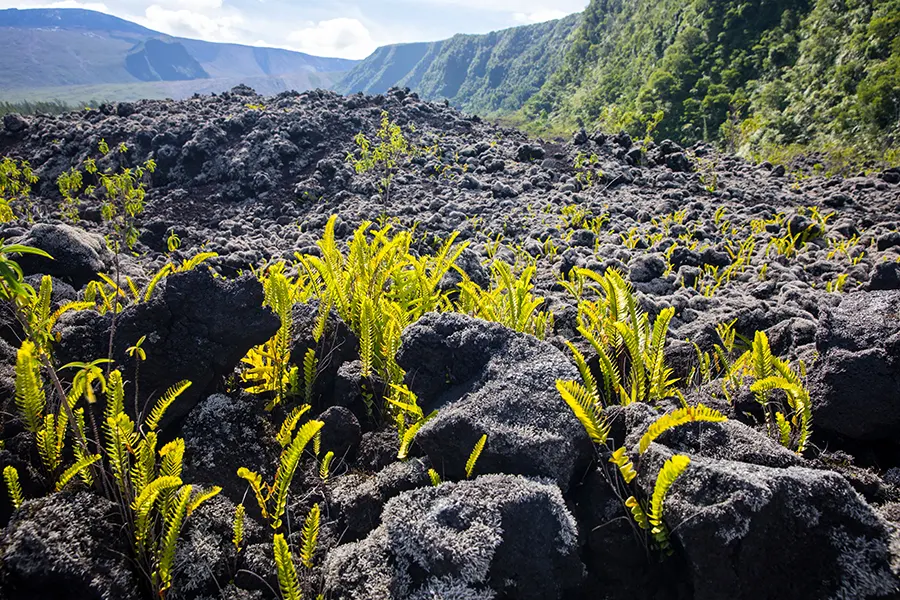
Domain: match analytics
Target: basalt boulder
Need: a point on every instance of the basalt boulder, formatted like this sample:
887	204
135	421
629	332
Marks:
197	328
485	379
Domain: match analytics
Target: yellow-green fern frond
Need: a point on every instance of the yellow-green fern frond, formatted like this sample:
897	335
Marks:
410	434
173	521
256	484
626	467
142	507
287	574
587	378
195	261
237	537
310	364
202	497
367	336
172	455
143	469
671	470
30	398
435	477
79	466
473	457
638	512
309	537
115	395
289	461
154	281
784	429
286	433
13	487
678	417
163	404
587	409
325	467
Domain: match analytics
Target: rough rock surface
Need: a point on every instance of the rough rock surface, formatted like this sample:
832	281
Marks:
257	184
857	381
77	255
197	329
66	546
485	379
496	536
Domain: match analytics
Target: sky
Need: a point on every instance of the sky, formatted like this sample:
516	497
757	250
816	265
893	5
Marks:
336	28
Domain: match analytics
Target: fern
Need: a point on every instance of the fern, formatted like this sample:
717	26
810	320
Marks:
174	519
367	336
13	487
637	512
325	467
286	433
30	398
587	409
410	434
259	490
237	537
626	467
80	465
163	404
671	470
682	416
473	457
310	364
287	574
164	272
201	498
435	477
142	507
309	537
288	465
784	429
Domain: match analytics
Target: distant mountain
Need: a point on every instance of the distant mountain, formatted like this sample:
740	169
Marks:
67	50
490	73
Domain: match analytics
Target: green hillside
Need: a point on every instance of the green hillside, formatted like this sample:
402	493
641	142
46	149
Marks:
750	73
491	73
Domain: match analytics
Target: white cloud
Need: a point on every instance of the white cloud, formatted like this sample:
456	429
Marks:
190	23
340	38
98	6
539	16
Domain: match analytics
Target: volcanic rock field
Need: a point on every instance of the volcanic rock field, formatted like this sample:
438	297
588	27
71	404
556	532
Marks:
553	302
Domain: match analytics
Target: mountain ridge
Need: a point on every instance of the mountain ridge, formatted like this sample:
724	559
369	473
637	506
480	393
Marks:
487	73
57	48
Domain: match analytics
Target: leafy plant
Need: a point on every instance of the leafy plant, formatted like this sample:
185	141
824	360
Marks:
390	147
13	487
16	179
287	573
148	482
509	301
309	537
378	288
272	499
791	425
269	368
475	454
681	416
630	353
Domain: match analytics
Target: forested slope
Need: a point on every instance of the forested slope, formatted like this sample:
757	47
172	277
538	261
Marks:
491	73
746	72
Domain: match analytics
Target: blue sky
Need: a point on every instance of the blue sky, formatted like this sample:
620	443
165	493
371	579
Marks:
341	28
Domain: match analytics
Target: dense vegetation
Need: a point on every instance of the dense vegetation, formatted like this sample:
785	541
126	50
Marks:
750	74
486	74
